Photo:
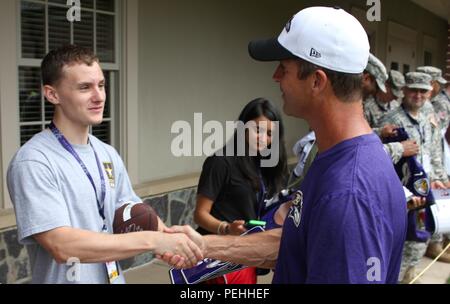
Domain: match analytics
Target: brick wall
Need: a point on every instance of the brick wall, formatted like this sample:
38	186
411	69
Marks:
175	208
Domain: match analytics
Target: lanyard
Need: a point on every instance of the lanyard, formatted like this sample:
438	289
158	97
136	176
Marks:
261	196
66	145
416	125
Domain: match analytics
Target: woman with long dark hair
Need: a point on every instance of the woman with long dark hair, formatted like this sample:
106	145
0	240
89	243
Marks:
232	188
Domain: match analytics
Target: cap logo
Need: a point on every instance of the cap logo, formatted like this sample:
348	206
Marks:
315	53
289	24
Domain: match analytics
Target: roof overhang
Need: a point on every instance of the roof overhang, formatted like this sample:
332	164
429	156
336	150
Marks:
440	8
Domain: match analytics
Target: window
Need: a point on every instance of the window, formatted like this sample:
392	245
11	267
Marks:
394	66
44	26
427	58
406	68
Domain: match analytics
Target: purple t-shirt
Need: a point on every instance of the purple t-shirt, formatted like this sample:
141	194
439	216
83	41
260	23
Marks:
351	225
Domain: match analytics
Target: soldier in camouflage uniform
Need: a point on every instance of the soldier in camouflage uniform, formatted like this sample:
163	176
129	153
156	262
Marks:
374	78
425	131
439	101
383	101
396	81
428	108
441	107
377	103
399	150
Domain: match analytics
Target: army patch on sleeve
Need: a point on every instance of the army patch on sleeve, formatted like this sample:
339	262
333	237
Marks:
433	120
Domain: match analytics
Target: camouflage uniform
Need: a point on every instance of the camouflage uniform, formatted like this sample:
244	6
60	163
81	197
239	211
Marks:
397	82
425	131
446	95
441	107
395	151
428	109
375	110
413	253
434	72
440	102
377	69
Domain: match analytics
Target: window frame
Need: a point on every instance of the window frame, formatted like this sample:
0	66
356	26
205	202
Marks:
114	68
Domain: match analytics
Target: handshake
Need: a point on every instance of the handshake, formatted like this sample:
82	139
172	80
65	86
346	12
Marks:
180	246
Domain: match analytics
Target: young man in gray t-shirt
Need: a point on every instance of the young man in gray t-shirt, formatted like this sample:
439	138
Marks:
66	185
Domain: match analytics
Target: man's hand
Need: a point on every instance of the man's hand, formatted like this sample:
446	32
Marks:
193	235
180	245
176	260
416	202
237	228
388	131
438	185
410	148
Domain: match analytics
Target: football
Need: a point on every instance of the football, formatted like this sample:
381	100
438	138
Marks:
134	217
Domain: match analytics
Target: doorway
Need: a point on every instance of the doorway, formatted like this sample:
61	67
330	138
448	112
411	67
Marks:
401	48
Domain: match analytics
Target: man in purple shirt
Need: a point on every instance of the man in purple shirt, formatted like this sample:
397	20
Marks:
350	225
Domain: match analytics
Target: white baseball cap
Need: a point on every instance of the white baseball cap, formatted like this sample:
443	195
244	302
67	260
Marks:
328	37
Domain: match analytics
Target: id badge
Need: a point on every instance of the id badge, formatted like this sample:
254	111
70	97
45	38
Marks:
113	271
112	268
426	163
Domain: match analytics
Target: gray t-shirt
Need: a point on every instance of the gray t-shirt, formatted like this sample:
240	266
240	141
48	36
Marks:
49	190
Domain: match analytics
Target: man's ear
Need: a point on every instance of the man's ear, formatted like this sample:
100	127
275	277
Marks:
50	94
436	86
319	82
367	79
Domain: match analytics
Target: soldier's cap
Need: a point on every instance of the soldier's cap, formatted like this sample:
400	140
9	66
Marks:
434	72
377	69
327	37
418	80
397	82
